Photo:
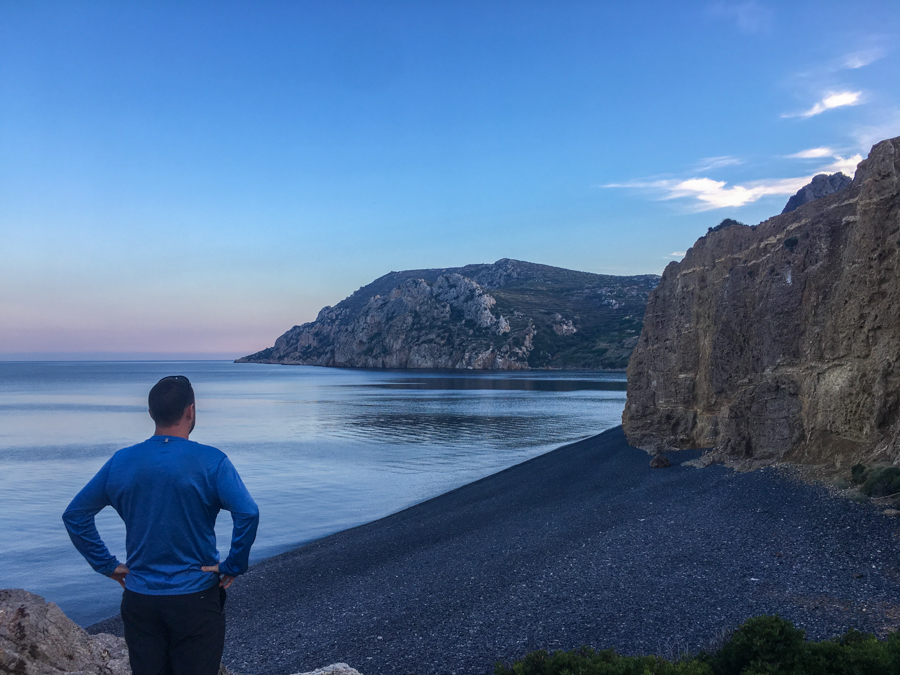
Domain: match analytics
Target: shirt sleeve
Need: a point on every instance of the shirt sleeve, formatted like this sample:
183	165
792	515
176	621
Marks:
79	521
234	497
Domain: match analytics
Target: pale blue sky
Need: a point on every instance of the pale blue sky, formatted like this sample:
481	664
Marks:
197	177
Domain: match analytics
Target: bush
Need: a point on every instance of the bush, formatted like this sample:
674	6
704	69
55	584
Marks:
881	482
586	661
858	473
764	645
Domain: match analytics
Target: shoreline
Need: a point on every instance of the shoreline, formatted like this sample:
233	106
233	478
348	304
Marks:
582	545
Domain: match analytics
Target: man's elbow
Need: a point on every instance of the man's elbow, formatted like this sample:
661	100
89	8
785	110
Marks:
247	513
70	520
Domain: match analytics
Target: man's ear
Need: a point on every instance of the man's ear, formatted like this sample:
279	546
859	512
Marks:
191	411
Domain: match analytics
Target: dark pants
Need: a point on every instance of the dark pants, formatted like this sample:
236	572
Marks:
175	634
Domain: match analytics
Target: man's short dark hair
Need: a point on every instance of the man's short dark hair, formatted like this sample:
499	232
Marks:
169	398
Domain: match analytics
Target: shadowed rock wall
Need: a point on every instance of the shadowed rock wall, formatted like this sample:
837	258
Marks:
781	341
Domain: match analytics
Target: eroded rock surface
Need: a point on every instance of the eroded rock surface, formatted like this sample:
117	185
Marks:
820	186
37	638
510	315
780	341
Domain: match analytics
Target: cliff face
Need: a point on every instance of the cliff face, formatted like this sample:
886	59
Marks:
510	315
781	341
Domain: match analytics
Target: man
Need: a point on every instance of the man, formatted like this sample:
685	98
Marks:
168	490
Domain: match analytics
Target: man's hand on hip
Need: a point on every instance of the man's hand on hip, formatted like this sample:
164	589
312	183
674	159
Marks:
225	581
119	574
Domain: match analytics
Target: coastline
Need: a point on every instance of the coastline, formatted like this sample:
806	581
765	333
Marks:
582	545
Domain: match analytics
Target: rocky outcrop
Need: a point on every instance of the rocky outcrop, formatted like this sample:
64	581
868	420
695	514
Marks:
780	341
37	638
820	186
333	669
510	315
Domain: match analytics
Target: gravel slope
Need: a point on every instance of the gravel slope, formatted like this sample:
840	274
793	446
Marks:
583	545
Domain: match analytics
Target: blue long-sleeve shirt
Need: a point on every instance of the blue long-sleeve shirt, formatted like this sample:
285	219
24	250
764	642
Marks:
168	490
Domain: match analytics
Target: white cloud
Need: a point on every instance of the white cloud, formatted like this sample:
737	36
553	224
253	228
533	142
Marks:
707	193
844	165
677	254
708	163
861	58
716	194
711	194
837	99
812	153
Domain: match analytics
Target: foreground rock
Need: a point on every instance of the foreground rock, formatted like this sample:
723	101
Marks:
333	669
510	315
779	341
37	638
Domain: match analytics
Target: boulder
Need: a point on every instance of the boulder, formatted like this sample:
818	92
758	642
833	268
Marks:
37	638
333	669
660	462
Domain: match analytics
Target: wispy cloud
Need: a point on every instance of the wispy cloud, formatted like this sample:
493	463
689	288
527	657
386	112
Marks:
867	136
812	153
714	194
749	17
709	163
707	194
862	58
846	165
677	254
833	100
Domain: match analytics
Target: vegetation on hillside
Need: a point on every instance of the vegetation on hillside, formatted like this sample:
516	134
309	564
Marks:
764	645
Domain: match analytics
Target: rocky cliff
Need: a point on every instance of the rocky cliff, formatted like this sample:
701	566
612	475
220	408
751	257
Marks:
781	341
820	186
509	315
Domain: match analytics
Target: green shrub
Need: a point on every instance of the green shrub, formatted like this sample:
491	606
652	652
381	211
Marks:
764	645
586	661
858	473
881	482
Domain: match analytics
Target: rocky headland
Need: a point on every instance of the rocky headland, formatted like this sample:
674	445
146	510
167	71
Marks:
779	341
510	315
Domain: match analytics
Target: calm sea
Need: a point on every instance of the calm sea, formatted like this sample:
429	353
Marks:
320	449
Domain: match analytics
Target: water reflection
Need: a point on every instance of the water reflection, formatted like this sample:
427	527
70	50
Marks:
320	449
500	384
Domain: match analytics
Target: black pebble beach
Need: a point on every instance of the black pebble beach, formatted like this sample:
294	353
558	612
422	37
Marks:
586	545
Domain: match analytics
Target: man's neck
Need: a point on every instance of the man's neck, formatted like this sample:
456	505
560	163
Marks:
177	431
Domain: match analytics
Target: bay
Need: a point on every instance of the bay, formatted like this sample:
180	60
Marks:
320	449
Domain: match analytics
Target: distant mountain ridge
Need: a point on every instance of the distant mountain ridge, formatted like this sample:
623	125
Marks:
820	186
509	315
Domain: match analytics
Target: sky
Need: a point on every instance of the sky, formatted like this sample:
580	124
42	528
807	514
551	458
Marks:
182	179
